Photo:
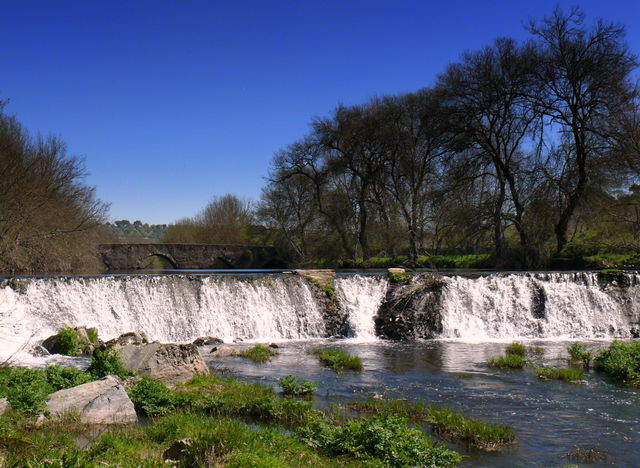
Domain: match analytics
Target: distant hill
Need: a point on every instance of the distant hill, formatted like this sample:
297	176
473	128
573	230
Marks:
125	231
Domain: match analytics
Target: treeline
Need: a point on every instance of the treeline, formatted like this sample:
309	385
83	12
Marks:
524	150
49	219
123	230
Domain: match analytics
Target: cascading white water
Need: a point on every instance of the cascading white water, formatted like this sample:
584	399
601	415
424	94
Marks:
504	307
167	308
361	296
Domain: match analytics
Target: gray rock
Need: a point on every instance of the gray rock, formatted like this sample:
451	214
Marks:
207	341
4	407
170	363
129	338
103	401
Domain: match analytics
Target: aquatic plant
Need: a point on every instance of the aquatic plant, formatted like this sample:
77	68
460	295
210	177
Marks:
571	374
384	438
621	361
297	386
338	360
579	354
516	348
152	397
452	425
108	362
508	361
258	353
586	455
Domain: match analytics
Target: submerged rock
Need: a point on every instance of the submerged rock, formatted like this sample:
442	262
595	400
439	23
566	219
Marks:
103	401
170	363
207	341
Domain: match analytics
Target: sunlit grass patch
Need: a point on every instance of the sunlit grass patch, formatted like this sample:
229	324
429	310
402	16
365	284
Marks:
621	361
292	385
338	360
571	374
508	361
451	425
258	353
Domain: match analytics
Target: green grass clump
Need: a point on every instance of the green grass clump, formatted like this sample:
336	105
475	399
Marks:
92	334
152	397
384	438
297	386
580	354
215	396
66	377
621	362
516	348
451	425
108	362
67	342
508	361
572	374
399	278
338	360
258	353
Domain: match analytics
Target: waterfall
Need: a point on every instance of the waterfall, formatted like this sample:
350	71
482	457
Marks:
168	308
540	305
360	297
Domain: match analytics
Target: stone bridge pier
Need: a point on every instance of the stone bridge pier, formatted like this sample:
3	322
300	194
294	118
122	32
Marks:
189	256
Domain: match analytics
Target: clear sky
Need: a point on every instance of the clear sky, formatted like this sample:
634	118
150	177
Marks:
174	102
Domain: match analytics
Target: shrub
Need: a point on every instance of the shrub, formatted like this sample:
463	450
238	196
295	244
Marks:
621	362
108	362
516	348
454	426
572	374
509	361
297	386
399	278
25	389
67	342
338	360
152	397
579	354
258	353
387	439
66	377
614	278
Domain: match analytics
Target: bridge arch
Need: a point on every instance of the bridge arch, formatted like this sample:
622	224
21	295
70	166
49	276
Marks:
147	261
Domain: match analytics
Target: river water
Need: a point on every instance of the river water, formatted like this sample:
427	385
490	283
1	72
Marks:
479	315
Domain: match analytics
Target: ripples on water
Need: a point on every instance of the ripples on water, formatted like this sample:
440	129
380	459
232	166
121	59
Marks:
550	418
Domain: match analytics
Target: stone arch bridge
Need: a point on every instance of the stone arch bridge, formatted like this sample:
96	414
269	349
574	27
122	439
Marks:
190	256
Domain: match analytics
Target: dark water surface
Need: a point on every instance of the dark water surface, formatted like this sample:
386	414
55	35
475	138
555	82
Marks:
550	418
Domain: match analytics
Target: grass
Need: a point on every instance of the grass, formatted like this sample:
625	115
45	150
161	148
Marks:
516	348
621	362
385	438
67	342
258	353
444	422
451	425
152	397
580	354
508	361
571	374
338	360
399	278
292	385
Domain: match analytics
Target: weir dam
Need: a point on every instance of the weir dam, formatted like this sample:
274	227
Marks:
179	308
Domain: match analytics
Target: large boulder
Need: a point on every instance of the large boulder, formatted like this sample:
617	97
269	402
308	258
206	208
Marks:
129	338
103	401
207	341
170	363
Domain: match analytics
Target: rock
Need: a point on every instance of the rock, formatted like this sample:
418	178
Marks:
129	338
39	351
176	451
4	407
103	401
274	346
224	351
323	277
396	271
170	363
213	350
207	340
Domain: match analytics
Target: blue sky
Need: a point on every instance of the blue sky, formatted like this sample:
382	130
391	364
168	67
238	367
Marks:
174	102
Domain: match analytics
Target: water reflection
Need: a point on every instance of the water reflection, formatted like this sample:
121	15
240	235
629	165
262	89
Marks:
550	418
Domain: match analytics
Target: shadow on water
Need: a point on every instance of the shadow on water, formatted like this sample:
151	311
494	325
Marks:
550	418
